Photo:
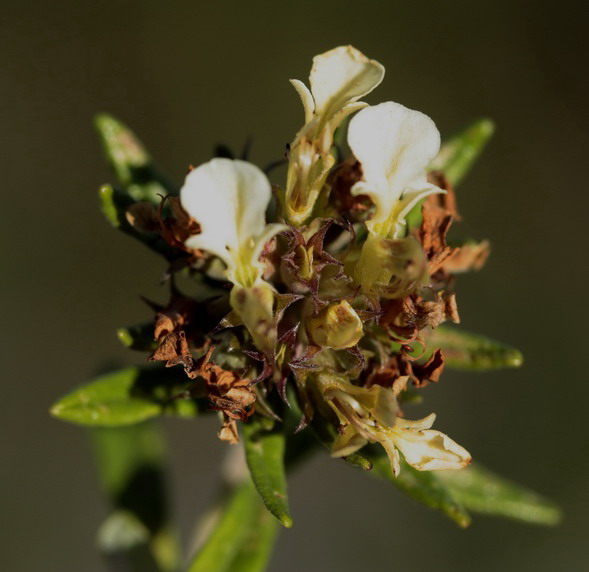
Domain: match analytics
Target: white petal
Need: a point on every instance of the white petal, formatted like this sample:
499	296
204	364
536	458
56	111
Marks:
417	425
392	453
344	112
430	450
267	234
341	76
306	98
229	200
394	145
386	408
410	198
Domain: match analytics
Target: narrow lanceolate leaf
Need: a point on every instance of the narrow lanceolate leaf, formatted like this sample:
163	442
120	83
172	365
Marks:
264	451
459	154
463	350
126	397
131	162
237	520
423	486
131	468
480	490
107	401
114	204
255	552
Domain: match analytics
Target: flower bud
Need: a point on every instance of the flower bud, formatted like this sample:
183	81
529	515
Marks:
254	306
337	327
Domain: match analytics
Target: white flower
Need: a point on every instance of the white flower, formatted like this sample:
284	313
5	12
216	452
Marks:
338	79
394	146
423	448
229	199
370	415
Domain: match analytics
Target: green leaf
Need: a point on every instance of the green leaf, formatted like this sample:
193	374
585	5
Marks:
235	525
463	350
126	397
107	402
459	154
423	486
480	490
114	204
131	468
264	451
255	552
123	453
132	164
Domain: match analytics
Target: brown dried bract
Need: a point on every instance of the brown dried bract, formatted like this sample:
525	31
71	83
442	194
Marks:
400	368
143	217
431	370
434	227
352	207
422	313
470	256
405	318
176	229
228	431
226	390
447	201
451	308
176	315
438	213
170	328
173	349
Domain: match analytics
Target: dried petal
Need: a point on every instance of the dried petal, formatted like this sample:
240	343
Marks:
470	256
143	216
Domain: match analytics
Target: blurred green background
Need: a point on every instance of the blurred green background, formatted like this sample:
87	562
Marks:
186	75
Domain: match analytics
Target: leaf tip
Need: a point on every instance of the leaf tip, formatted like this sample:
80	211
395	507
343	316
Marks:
124	336
484	128
104	121
514	358
462	519
107	204
55	410
286	520
553	516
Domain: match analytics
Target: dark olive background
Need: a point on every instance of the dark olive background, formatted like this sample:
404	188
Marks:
187	75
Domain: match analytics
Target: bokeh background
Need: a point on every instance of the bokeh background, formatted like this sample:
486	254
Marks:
186	75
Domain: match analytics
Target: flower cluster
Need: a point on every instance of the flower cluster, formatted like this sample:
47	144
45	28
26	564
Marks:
321	290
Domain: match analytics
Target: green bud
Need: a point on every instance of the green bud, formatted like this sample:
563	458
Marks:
337	327
254	306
